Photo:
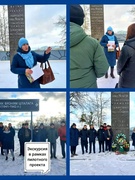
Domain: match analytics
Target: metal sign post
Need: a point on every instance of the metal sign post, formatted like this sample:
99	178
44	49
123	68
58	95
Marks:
31	126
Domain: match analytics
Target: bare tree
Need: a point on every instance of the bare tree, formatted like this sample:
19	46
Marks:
77	101
97	104
86	24
4	33
133	12
62	24
91	105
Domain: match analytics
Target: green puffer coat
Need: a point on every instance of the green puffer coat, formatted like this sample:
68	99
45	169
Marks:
87	59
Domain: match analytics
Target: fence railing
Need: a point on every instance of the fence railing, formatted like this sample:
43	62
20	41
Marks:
55	55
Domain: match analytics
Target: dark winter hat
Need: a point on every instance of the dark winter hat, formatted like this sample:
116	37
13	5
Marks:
76	14
26	124
63	122
101	126
41	124
73	124
22	41
51	124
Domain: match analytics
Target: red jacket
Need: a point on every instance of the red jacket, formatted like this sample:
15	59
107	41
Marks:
62	133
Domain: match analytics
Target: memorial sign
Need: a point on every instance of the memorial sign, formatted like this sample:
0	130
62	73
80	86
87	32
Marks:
16	21
97	21
19	105
120	113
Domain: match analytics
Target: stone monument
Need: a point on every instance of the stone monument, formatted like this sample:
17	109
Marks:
16	21
120	113
97	21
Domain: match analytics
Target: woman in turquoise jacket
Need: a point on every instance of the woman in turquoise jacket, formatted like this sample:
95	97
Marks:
87	58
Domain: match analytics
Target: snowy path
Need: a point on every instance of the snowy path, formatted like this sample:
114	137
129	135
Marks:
58	166
102	163
109	82
9	80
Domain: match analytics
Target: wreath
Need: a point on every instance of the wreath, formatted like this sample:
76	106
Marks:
120	145
121	135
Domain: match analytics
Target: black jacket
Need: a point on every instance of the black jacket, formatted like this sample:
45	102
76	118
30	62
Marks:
92	133
101	135
109	135
83	135
133	138
20	134
42	135
8	141
1	134
126	65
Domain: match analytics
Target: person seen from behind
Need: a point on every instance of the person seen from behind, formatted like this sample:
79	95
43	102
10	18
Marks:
126	61
87	59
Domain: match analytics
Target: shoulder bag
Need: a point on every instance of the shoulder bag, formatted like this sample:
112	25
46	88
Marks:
48	75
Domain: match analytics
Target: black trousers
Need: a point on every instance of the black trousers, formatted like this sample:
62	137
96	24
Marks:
53	149
109	145
63	147
73	149
92	142
84	145
101	145
21	147
106	145
2	147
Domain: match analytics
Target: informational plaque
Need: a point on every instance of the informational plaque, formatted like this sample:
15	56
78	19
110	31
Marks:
120	113
97	21
16	20
19	105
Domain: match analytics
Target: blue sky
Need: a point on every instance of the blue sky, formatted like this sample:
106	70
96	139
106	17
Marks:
75	119
40	27
50	104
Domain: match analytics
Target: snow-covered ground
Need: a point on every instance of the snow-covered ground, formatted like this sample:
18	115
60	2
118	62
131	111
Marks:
9	80
102	163
108	82
58	166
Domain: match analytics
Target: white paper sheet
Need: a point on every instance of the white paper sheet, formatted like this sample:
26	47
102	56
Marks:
111	48
37	72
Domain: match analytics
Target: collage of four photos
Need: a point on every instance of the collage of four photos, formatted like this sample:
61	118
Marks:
88	120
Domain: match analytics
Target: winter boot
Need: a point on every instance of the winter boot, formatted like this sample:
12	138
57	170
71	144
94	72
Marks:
111	74
6	158
106	75
13	158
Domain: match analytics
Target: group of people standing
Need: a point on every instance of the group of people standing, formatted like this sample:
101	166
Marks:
40	134
104	136
90	58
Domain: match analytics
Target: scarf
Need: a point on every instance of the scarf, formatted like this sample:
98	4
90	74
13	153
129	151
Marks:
109	134
29	60
111	38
